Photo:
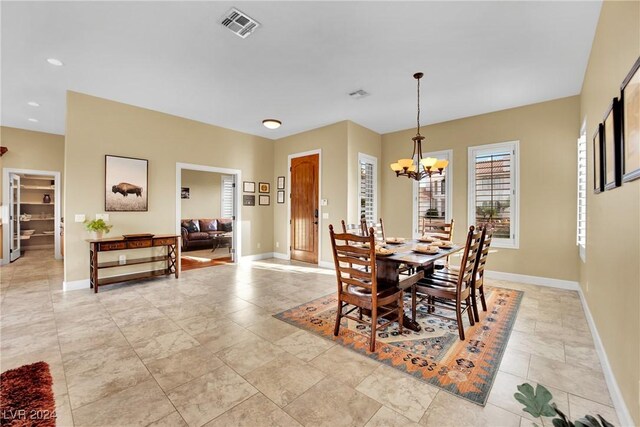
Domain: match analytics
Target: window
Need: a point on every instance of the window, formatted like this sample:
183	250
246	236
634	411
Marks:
493	191
226	196
432	195
368	188
581	239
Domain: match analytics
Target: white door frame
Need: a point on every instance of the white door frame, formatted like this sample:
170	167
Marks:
288	187
237	227
6	173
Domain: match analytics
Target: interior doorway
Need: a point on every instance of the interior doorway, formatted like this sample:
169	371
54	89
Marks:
304	172
207	214
31	219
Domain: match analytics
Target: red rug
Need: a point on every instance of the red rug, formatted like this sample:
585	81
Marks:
435	354
26	396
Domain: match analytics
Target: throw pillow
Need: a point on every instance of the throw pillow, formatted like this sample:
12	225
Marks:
225	226
192	226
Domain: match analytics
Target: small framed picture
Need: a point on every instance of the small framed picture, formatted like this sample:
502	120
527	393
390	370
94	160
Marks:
248	200
281	196
264	200
248	187
612	147
281	183
184	193
264	187
598	177
630	106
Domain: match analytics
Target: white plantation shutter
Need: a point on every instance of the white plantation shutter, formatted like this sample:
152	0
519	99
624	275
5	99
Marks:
432	202
367	188
493	191
226	194
582	195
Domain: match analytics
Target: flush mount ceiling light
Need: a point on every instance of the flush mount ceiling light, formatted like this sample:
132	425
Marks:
271	123
54	61
31	119
416	167
33	104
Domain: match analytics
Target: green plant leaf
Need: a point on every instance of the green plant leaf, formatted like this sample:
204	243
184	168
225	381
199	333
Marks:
535	402
558	422
590	421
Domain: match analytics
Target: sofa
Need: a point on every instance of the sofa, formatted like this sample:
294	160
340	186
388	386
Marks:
210	233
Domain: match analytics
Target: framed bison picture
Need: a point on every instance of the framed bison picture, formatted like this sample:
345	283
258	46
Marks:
126	184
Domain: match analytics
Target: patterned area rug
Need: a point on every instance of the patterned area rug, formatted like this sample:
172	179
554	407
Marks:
435	354
26	396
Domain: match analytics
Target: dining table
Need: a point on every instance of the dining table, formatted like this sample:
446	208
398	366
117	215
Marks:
390	269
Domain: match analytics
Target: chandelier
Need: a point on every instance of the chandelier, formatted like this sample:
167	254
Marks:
418	167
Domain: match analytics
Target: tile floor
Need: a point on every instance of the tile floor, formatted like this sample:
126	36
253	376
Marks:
204	350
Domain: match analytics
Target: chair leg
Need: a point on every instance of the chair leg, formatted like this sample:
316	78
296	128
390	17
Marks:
374	324
470	311
400	312
474	303
459	320
482	300
359	313
336	328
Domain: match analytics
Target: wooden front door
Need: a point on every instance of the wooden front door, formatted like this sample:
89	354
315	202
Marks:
304	208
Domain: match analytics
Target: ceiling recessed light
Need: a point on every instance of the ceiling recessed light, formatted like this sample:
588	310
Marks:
31	119
54	61
271	123
33	104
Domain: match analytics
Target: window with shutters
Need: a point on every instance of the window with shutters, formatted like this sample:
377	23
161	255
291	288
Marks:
368	187
582	195
432	195
226	196
493	191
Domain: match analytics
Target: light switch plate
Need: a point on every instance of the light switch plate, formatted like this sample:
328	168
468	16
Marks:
79	218
324	202
325	215
104	217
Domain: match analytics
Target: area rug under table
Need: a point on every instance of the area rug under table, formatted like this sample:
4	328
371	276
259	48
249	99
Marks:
435	355
26	396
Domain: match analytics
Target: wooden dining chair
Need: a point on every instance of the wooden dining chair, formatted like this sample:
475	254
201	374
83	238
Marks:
477	290
439	230
439	293
358	286
378	229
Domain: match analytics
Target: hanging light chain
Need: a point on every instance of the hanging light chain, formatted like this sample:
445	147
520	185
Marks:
418	118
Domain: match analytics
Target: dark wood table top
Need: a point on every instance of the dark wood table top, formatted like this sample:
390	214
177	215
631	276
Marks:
404	254
122	239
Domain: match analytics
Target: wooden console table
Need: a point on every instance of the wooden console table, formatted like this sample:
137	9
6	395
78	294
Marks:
172	257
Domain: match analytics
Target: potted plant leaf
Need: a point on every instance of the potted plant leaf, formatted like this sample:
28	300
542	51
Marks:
539	404
98	227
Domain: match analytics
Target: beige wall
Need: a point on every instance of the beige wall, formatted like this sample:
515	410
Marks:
31	150
547	135
610	278
204	200
360	140
96	127
332	141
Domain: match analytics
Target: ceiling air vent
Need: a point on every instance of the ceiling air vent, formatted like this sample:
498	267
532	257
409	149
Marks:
239	23
358	94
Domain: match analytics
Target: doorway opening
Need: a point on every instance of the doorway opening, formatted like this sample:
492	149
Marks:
31	221
304	203
207	215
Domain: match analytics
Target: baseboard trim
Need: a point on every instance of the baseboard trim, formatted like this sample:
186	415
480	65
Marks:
256	257
624	416
533	280
76	285
326	264
279	255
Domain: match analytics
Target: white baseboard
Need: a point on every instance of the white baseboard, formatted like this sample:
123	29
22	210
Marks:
533	280
327	264
75	285
256	257
616	395
279	255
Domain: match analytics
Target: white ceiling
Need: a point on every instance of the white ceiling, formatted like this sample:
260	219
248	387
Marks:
299	66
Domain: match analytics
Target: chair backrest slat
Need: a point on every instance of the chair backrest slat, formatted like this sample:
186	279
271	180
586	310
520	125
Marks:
441	230
347	252
469	258
378	229
352	228
487	235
